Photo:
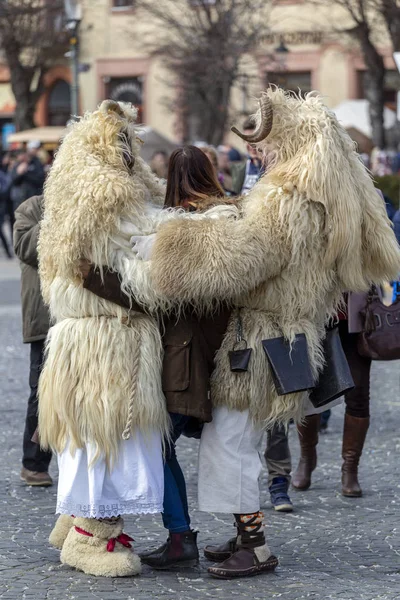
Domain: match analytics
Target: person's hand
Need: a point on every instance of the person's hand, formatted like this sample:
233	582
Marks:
84	267
142	245
22	168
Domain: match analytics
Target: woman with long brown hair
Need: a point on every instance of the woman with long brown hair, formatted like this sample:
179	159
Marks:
190	344
191	180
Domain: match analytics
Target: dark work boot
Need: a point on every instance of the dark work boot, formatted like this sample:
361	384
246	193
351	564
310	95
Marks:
155	551
180	550
354	434
252	556
308	438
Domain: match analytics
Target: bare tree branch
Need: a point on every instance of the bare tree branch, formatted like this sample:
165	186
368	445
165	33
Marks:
202	44
31	38
364	15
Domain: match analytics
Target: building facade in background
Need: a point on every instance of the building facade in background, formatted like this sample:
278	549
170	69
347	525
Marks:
297	53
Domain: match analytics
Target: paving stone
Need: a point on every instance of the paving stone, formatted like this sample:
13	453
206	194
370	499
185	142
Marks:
330	548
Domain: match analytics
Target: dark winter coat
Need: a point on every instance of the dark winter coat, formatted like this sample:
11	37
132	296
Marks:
35	316
190	345
28	184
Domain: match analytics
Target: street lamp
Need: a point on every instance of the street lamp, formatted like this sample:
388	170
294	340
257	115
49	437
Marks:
73	20
281	53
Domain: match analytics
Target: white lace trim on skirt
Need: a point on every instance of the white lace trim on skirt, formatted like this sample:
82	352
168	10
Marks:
103	511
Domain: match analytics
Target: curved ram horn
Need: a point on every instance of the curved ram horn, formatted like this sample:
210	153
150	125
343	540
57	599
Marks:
263	131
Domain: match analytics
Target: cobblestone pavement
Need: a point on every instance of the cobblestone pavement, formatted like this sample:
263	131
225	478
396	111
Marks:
330	547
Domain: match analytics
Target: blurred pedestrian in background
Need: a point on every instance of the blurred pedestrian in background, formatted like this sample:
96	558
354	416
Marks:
27	175
224	168
213	157
246	174
6	166
4	192
35	321
279	465
159	164
356	420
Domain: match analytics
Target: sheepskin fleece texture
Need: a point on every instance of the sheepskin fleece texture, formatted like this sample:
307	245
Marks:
89	554
312	228
99	356
60	531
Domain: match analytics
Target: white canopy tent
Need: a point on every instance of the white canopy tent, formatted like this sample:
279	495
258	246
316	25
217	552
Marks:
153	140
354	114
45	135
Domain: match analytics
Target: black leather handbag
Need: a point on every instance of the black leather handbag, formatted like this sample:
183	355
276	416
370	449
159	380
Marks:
335	378
239	358
290	364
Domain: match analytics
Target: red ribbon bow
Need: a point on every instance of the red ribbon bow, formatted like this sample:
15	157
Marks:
123	539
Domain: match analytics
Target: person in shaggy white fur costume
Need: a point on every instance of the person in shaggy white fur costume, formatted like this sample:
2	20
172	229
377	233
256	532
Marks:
312	228
101	404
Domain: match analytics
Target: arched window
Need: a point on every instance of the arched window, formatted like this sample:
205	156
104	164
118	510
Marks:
127	89
59	105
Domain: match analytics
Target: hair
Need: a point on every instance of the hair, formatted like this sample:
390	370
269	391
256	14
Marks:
190	176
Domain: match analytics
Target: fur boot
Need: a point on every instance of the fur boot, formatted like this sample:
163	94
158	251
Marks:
60	531
100	548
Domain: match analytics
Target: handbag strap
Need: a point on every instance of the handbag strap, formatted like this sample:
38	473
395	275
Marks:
239	327
372	294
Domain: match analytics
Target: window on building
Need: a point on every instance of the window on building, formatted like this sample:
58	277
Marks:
291	81
127	89
391	87
122	4
59	104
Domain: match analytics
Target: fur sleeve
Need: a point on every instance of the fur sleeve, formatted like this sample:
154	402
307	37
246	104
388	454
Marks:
218	259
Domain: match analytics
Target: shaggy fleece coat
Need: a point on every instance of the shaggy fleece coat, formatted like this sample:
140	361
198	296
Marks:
312	228
103	366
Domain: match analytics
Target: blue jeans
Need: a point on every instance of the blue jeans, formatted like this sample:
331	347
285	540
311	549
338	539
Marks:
176	513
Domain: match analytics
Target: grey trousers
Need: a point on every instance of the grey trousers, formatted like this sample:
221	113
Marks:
277	454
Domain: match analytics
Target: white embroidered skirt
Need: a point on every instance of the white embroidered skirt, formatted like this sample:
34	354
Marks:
135	484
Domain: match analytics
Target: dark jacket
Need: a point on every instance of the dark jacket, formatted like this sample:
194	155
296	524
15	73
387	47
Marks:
35	316
28	184
190	345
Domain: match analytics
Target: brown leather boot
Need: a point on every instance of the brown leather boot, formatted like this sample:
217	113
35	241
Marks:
308	437
36	478
354	434
252	555
220	553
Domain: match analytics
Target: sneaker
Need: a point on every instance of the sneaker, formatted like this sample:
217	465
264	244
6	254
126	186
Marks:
36	478
279	495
